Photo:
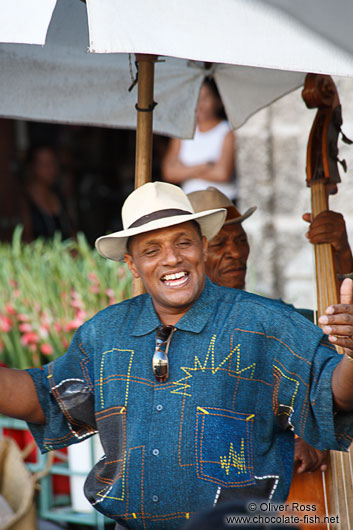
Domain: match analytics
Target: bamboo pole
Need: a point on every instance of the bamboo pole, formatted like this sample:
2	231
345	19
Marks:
144	131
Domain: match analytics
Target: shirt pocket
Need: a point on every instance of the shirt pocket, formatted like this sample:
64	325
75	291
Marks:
109	473
224	447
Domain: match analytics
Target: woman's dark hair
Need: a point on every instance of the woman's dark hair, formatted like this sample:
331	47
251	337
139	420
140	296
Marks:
211	84
35	149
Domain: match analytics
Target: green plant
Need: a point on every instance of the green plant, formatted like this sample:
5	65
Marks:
47	290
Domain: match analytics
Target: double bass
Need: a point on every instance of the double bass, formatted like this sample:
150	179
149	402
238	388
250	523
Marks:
330	491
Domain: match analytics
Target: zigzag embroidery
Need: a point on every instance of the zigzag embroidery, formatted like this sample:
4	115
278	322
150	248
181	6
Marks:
183	384
234	459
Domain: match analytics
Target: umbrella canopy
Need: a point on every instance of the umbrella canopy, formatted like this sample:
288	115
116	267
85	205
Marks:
61	82
331	20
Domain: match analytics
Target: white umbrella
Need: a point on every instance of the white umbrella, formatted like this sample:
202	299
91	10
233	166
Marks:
331	20
62	82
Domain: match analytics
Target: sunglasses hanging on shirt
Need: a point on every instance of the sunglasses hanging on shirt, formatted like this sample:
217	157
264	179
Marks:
160	361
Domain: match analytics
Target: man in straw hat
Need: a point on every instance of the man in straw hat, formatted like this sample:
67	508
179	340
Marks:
195	389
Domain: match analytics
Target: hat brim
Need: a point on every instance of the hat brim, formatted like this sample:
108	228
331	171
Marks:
114	247
241	218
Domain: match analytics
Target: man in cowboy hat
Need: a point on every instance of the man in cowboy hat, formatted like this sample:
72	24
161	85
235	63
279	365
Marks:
228	251
195	389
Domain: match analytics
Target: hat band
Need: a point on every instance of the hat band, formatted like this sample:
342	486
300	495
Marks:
159	214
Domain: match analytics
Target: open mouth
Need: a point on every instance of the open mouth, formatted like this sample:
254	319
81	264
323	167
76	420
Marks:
175	279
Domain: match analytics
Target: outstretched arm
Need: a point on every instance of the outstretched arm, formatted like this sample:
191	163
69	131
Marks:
330	227
18	396
338	325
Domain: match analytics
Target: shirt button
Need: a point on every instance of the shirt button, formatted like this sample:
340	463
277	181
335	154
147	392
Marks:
159	407
155	452
155	498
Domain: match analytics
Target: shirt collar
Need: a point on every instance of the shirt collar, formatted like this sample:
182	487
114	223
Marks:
147	320
194	320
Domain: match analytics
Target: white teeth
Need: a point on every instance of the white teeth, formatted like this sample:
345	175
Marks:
175	276
176	283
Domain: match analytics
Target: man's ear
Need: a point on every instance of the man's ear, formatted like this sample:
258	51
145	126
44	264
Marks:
204	248
129	260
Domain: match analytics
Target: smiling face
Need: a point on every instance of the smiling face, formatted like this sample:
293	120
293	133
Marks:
227	256
171	263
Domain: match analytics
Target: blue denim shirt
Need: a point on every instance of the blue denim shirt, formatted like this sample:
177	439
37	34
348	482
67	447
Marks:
245	372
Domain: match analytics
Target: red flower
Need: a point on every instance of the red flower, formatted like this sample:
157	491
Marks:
29	338
25	327
22	317
73	324
46	348
5	324
10	309
76	303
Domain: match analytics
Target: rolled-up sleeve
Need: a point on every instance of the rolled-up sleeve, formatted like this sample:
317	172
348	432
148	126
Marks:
65	391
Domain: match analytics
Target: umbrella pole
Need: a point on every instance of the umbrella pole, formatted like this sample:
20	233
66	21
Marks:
144	131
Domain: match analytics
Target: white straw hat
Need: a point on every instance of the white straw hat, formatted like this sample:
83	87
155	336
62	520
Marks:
152	206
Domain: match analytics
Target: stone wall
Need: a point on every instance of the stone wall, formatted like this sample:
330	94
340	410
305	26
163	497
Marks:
271	153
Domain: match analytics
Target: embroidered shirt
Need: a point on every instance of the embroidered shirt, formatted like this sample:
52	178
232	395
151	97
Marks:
244	372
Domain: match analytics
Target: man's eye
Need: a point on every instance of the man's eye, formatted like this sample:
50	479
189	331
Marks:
216	244
184	243
150	252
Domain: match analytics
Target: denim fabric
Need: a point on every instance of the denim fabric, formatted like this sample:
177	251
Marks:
245	372
307	313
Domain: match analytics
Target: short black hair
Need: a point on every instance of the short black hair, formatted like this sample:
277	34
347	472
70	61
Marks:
211	84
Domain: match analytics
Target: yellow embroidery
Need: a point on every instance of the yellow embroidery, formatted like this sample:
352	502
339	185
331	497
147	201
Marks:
209	364
295	391
101	373
233	459
203	410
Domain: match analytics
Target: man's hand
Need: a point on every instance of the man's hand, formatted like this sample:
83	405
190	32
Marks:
337	323
327	227
330	227
308	458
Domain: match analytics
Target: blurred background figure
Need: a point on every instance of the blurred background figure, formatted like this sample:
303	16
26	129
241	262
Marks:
44	209
209	158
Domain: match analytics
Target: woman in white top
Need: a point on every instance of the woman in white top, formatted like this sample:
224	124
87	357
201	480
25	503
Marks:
209	158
